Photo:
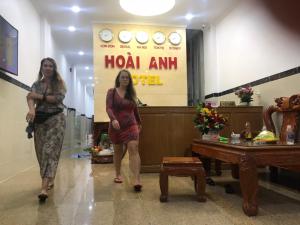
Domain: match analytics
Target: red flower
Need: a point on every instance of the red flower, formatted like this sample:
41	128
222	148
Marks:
208	118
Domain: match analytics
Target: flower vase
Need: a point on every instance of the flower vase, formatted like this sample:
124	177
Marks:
212	135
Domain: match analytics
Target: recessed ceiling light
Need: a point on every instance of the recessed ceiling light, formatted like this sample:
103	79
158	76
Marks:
75	9
80	53
90	78
71	28
189	16
147	7
87	68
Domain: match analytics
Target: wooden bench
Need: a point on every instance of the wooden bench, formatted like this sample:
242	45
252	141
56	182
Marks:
186	166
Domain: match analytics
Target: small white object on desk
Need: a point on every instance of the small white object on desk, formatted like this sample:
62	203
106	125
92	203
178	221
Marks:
235	138
106	152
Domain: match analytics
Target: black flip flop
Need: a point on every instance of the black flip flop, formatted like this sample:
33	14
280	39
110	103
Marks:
42	197
137	188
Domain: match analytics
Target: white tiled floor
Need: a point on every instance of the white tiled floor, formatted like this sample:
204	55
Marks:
85	194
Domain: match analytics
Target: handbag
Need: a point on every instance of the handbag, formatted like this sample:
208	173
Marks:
41	117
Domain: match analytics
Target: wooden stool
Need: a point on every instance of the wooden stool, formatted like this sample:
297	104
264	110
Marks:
187	166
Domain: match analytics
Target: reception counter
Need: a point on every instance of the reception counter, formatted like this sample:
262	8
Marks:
166	131
169	131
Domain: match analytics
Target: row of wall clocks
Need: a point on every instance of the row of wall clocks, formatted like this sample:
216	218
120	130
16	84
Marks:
141	37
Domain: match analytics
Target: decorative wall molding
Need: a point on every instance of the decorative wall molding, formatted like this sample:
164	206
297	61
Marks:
274	77
13	81
22	85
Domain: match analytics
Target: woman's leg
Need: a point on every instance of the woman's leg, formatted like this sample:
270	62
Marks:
134	160
44	192
118	152
50	183
45	182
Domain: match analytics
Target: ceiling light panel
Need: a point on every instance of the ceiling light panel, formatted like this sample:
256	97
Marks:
189	16
147	7
72	28
75	9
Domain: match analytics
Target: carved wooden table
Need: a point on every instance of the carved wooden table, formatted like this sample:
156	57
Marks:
186	166
248	157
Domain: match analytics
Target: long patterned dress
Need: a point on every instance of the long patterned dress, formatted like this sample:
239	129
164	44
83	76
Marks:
49	135
126	113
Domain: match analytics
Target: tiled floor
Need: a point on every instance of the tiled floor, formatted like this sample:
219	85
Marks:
85	194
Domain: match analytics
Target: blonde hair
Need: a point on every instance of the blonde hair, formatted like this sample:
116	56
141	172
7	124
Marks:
57	83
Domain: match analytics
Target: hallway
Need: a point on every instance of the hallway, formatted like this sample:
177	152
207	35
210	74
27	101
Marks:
85	194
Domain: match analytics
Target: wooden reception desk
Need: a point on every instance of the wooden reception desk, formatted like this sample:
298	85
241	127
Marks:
169	131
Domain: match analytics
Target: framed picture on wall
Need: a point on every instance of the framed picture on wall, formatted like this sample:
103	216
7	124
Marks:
8	47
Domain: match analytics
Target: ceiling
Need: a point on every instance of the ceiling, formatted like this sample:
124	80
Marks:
60	16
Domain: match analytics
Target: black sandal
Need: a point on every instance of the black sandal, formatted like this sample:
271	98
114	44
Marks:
137	188
42	197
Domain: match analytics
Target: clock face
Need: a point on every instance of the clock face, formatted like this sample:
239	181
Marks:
142	37
175	38
125	36
106	35
159	38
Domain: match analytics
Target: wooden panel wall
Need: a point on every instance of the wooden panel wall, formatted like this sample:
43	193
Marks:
238	116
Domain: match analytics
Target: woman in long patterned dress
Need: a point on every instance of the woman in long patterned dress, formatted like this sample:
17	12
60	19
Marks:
46	114
125	125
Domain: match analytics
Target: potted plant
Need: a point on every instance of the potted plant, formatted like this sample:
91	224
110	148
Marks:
245	95
208	121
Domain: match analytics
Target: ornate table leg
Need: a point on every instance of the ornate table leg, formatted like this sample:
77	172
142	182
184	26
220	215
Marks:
218	167
249	184
273	173
206	164
163	182
235	171
200	185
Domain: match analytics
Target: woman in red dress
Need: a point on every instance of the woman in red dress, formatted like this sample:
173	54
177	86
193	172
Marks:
125	125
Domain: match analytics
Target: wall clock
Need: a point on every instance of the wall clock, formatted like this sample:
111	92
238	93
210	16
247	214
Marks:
142	37
159	38
125	36
106	35
175	38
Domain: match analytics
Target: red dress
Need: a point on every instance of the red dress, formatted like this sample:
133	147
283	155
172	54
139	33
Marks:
126	113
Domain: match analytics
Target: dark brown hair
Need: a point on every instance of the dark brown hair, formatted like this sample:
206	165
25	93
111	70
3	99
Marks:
57	82
130	91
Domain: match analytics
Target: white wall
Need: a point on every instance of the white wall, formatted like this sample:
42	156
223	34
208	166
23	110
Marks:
35	42
89	103
247	45
51	49
211	76
78	97
16	150
22	15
